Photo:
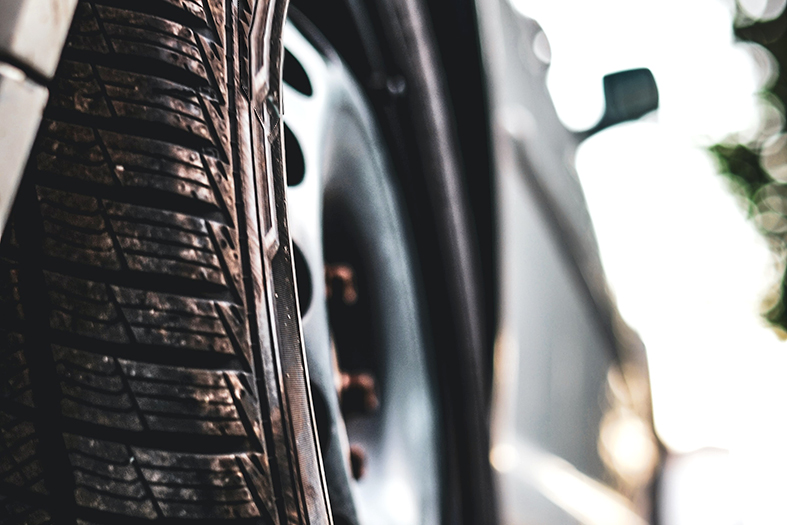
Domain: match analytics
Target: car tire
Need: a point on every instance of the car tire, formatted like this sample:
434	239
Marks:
150	349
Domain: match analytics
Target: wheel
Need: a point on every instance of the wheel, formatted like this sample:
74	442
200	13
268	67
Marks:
377	210
370	362
150	347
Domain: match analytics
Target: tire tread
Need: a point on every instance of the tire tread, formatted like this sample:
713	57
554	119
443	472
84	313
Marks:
130	390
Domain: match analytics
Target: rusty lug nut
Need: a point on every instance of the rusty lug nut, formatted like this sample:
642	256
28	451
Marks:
357	393
357	461
344	275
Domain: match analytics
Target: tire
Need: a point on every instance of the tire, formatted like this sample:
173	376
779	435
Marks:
150	349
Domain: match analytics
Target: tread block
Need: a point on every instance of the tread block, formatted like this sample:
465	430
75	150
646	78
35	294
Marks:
75	229
125	315
95	390
192	485
15	383
117	160
217	67
214	9
192	401
106	478
193	7
14	512
20	465
11	311
70	150
136	396
178	321
132	36
151	483
105	92
85	308
85	32
166	243
76	87
111	236
148	163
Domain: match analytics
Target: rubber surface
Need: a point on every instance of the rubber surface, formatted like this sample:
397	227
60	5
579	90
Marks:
138	365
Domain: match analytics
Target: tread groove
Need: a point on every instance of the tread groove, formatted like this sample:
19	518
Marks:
241	412
146	487
130	64
156	355
153	199
161	441
45	392
140	280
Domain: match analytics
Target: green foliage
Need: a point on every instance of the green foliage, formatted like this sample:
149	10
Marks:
741	165
770	35
750	172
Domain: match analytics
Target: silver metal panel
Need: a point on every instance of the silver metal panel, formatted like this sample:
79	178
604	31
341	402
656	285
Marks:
557	342
32	32
21	105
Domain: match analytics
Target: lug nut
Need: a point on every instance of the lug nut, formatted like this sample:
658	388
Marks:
357	461
357	393
344	275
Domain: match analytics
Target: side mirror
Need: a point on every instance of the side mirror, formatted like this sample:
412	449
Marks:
628	95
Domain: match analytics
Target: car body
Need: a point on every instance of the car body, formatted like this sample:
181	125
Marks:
570	374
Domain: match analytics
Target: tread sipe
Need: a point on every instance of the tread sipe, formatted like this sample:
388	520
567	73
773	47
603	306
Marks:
150	357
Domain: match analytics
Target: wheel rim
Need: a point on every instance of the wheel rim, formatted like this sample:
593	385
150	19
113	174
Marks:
344	207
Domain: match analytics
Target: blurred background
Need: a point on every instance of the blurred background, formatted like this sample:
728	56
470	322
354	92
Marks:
690	218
